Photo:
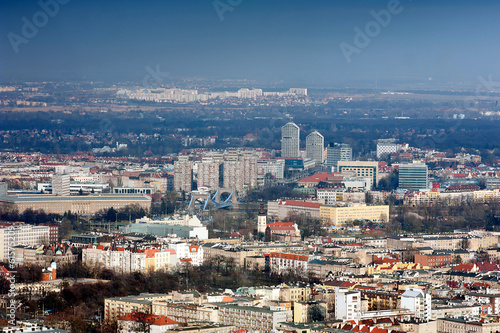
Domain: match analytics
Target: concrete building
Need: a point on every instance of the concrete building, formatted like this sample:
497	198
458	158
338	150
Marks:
315	145
61	185
183	169
208	173
338	152
80	204
270	167
290	140
253	318
3	189
384	149
360	169
418	301
338	216
413	176
281	209
163	230
347	304
14	234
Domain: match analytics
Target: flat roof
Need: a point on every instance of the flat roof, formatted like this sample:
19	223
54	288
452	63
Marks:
101	197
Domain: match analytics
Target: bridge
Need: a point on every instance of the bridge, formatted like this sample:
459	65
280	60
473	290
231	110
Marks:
214	201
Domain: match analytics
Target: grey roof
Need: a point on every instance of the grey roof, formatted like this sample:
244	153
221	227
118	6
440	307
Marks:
98	197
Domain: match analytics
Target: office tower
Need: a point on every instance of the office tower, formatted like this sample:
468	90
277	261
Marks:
338	152
360	169
315	144
182	174
384	149
208	172
61	185
413	176
290	140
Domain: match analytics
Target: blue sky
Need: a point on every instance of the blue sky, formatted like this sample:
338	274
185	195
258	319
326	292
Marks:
285	40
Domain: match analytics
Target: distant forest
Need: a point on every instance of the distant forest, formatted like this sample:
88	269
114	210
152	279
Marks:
159	132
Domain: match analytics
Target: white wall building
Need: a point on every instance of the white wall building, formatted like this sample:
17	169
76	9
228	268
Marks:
416	300
347	304
290	140
315	144
21	234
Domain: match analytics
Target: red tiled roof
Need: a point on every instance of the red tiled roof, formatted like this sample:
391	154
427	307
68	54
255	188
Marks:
151	319
301	203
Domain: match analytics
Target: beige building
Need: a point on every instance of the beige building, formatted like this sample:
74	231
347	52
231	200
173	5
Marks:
80	204
453	325
340	215
360	169
185	313
183	169
208	172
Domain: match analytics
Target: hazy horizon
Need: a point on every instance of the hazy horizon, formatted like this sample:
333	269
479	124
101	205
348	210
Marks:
291	42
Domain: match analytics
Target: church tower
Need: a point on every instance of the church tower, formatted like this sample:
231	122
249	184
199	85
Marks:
261	219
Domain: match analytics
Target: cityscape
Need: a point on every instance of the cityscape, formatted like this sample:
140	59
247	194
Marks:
236	166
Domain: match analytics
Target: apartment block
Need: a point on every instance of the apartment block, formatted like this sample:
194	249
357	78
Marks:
253	318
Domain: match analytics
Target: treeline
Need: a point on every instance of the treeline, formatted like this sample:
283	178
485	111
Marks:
445	217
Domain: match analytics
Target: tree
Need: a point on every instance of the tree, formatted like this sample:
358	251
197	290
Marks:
316	313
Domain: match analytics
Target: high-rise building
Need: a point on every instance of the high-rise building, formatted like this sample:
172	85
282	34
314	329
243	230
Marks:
61	185
208	172
233	171
338	152
315	143
250	159
183	168
413	176
240	170
290	140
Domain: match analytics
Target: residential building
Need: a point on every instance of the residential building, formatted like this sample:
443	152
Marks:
433	260
417	301
347	304
208	172
137	322
115	308
253	318
183	169
282	262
